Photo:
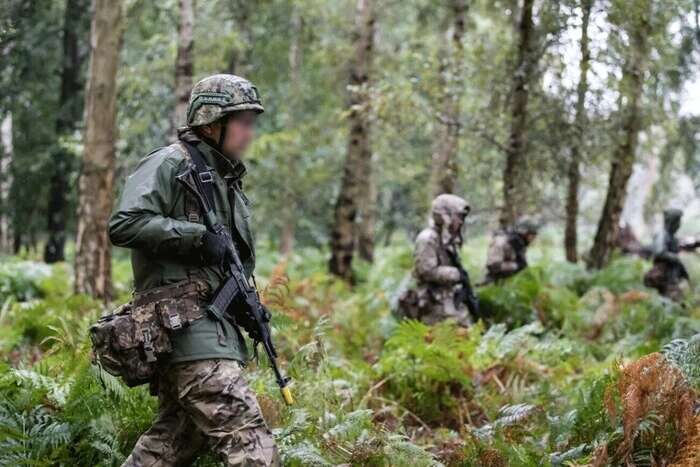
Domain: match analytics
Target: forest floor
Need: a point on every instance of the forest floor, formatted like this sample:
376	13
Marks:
573	368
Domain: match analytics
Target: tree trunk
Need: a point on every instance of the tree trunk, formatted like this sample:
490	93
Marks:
70	112
451	83
92	259
239	57
631	90
367	205
514	174
184	69
367	210
357	169
570	232
7	238
289	214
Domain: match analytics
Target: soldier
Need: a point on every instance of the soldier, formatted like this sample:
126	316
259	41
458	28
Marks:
203	396
668	274
443	288
628	243
508	249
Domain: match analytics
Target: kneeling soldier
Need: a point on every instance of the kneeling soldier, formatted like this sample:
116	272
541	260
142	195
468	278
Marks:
507	253
443	288
204	398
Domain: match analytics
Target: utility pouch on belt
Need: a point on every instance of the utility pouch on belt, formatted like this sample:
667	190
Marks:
134	338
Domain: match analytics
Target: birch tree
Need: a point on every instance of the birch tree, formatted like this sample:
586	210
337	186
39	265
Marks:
92	259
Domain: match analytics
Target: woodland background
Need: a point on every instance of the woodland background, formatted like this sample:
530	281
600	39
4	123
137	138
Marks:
580	113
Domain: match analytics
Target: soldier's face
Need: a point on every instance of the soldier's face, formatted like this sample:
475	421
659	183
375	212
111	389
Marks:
240	131
456	224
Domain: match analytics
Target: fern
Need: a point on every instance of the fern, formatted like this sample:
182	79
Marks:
508	416
685	354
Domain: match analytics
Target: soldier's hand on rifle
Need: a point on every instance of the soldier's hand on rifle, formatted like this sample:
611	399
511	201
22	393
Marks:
214	249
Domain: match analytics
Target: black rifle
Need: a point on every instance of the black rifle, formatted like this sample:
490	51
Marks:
251	314
466	294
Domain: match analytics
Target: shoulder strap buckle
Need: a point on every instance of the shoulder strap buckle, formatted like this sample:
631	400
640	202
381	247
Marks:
206	177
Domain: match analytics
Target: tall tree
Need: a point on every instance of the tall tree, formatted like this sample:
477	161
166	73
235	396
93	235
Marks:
574	174
184	68
451	83
92	259
290	214
357	169
514	174
70	110
637	25
6	234
239	58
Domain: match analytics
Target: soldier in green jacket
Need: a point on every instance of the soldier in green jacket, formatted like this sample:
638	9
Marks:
204	399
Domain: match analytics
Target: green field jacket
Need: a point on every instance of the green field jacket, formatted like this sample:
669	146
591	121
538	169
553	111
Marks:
162	225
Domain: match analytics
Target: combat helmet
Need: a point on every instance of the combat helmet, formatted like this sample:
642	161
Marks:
672	220
445	208
218	95
526	227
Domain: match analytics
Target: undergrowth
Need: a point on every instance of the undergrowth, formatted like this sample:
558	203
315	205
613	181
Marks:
571	368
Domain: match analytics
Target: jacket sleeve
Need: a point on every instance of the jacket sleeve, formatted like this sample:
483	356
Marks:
428	268
141	219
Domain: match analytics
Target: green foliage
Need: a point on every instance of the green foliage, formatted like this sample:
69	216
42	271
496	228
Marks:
534	389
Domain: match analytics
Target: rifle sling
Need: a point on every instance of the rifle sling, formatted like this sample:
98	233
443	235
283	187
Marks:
204	177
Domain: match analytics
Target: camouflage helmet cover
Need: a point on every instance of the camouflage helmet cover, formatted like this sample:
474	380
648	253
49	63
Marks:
447	208
218	95
526	227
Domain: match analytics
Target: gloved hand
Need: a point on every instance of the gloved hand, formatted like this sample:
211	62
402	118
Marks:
213	249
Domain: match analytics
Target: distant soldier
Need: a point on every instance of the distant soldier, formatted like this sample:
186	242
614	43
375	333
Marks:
668	274
628	243
443	288
508	249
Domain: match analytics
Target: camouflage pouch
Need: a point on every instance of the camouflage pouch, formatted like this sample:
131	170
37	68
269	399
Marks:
129	347
131	341
411	305
656	277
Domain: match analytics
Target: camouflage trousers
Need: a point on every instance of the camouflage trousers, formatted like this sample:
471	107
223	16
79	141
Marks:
206	403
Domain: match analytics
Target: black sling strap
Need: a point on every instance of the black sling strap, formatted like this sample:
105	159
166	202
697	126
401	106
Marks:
204	176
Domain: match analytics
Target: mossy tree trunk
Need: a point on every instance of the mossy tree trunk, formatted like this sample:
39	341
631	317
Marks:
574	174
631	93
70	112
515	171
444	170
357	171
184	67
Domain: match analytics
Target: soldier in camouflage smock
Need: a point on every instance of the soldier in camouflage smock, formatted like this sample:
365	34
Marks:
204	399
439	281
507	253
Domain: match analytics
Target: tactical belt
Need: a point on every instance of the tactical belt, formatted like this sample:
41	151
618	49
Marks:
176	290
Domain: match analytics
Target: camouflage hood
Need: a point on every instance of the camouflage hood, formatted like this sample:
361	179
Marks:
448	214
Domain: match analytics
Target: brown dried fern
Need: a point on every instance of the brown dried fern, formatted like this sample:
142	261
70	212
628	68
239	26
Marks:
689	455
652	385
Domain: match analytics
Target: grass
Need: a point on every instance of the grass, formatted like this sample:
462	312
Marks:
549	380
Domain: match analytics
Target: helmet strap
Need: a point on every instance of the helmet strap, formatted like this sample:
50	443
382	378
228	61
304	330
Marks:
222	135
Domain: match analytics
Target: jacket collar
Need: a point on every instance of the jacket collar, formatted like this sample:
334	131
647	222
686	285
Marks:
227	168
